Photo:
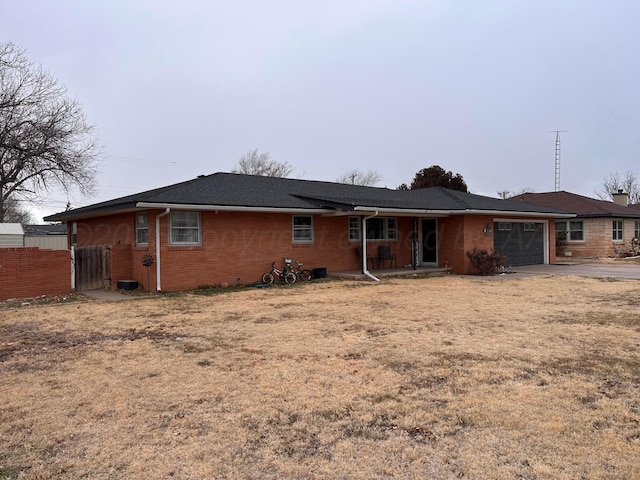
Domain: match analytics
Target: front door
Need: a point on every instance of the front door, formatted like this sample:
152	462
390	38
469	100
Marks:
430	241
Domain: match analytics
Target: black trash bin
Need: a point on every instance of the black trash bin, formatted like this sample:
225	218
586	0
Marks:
320	272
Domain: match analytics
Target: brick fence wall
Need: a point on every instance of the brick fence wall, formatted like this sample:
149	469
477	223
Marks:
31	272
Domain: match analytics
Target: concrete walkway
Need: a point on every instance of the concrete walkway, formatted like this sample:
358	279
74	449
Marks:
599	270
106	295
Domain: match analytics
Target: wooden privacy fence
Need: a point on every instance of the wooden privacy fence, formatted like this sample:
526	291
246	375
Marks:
92	267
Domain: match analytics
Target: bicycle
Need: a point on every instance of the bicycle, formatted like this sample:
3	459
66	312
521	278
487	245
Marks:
302	274
285	274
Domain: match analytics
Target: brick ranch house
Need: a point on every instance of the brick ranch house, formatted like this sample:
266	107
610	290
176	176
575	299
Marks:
600	229
229	228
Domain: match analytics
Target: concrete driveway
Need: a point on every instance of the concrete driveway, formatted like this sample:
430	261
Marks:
581	269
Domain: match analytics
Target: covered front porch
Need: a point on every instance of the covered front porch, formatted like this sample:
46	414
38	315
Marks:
392	272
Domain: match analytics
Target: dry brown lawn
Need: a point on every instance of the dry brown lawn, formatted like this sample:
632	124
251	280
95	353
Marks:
457	377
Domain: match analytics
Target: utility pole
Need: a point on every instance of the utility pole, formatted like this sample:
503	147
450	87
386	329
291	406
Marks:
558	132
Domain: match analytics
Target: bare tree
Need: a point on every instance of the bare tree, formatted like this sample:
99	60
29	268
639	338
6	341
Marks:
359	177
628	183
506	194
261	164
14	212
45	140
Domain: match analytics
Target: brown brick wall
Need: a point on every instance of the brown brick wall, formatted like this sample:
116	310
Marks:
460	234
598	239
31	272
116	229
238	247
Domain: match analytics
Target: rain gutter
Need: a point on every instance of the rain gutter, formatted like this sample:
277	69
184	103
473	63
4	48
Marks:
231	208
166	212
365	270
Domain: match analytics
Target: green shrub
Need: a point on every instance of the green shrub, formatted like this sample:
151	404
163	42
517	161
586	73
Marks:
487	263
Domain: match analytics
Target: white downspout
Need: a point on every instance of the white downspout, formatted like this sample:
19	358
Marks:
166	212
365	266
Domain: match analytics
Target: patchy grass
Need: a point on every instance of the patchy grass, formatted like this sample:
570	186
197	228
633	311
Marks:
534	378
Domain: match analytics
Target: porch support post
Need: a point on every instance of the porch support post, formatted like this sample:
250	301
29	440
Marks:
414	244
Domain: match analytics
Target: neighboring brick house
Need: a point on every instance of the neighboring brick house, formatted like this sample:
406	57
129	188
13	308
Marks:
600	229
230	227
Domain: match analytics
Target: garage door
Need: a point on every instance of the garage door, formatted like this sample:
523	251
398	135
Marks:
521	243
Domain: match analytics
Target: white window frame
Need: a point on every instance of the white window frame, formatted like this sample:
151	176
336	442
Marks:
389	229
142	228
504	226
571	232
302	233
354	229
177	228
617	230
529	227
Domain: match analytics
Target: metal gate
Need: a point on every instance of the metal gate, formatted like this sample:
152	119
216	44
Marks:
92	267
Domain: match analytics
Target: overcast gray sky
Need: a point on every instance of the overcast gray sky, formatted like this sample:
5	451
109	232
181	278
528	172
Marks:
182	88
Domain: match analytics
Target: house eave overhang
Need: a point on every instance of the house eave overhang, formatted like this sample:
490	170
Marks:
413	212
445	213
608	215
99	212
513	213
231	208
328	211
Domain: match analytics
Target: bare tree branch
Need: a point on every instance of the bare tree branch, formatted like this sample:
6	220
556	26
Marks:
261	164
45	139
505	194
359	177
629	183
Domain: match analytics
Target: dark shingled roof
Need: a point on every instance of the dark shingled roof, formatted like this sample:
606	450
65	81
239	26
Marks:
44	230
583	207
236	190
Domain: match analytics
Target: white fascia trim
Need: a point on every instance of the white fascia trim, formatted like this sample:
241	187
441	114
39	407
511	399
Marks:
399	211
445	213
514	212
233	208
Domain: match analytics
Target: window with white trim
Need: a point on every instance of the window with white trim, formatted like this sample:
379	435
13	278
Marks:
142	229
382	228
302	229
570	231
617	230
504	226
636	229
576	231
184	228
529	227
354	229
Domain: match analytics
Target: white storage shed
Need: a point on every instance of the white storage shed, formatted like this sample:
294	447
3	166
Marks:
11	235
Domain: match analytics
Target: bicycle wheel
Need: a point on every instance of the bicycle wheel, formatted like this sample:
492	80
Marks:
305	274
290	277
267	277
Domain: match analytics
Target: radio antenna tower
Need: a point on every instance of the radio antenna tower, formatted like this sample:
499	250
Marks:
558	132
